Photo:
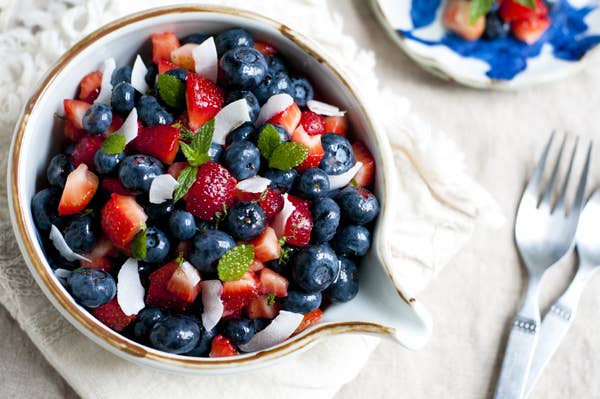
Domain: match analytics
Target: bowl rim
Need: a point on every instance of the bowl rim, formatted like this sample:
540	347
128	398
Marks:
82	319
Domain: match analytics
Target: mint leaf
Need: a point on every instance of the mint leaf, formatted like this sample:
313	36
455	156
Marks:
114	144
268	140
195	158
138	245
354	182
270	299
288	155
171	90
479	8
203	137
184	133
235	263
186	178
528	3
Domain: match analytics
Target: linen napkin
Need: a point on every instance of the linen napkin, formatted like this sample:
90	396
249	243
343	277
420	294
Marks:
439	207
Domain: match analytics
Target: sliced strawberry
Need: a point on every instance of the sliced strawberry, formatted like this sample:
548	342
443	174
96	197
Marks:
115	125
122	218
182	56
204	100
271	203
265	48
236	294
457	18
299	224
312	123
266	246
256	266
113	185
185	282
112	315
336	124
89	88
288	118
158	295
163	45
176	168
259	308
309	319
512	10
273	283
366	174
80	187
100	256
85	149
315	148
530	30
160	141
164	66
74	110
72	132
222	347
213	189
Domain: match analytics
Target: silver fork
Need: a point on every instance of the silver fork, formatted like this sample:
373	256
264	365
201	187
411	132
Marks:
544	234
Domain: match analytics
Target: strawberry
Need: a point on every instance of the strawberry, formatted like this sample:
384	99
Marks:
265	48
72	132
299	225
366	174
162	45
115	125
113	185
122	218
271	203
112	315
273	283
85	149
100	255
336	124
204	100
89	88
164	66
457	18
236	294
512	10
182	56
185	282
530	30
222	347
315	148
74	110
158	295
160	141
309	319
312	123
259	308
80	187
256	266
288	118
213	189
266	246
176	168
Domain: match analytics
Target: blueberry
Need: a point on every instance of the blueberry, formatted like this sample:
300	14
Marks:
273	83
282	265
158	214
345	287
136	172
339	156
58	169
175	334
122	74
107	163
196	38
261	323
358	205
182	225
243	68
242	159
215	152
179	73
351	240
97	118
303	91
91	287
231	39
145	269
495	27
44	208
79	234
283	134
313	183
157	245
301	302
315	268
202	348
251	100
246	220
281	180
150	77
326	219
240	331
123	98
244	132
208	247
276	63
151	112
146	319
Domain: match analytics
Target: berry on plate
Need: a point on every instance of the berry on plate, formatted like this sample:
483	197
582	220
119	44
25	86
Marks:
158	293
85	150
122	218
457	18
513	10
175	334
301	302
273	283
366	174
288	118
213	190
163	45
91	288
267	246
262	307
313	123
89	88
185	282
204	100
80	188
309	319
222	347
74	111
112	315
336	124
530	30
160	141
315	148
236	294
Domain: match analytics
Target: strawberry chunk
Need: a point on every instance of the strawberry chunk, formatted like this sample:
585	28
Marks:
309	319
163	45
256	266
315	148
222	347
89	88
271	203
185	282
158	295
299	225
182	56
266	246
312	123
72	132
259	308
115	125
531	29
74	110
113	185
100	256
214	188
273	283
204	100
265	48
457	18
122	218
80	188
112	315
236	294
176	168
336	124
512	10
366	174
164	66
160	141
85	149
288	118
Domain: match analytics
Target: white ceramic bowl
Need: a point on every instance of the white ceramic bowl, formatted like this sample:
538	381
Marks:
381	307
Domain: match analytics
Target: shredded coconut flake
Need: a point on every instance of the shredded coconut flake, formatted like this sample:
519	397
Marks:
130	292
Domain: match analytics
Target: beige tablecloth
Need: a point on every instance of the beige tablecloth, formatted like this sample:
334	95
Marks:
475	296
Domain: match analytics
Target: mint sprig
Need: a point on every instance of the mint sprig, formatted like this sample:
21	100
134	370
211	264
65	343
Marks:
268	140
114	144
480	8
196	151
138	245
186	179
288	155
171	90
235	263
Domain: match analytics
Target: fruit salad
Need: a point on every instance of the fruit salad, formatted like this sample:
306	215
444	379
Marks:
206	204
